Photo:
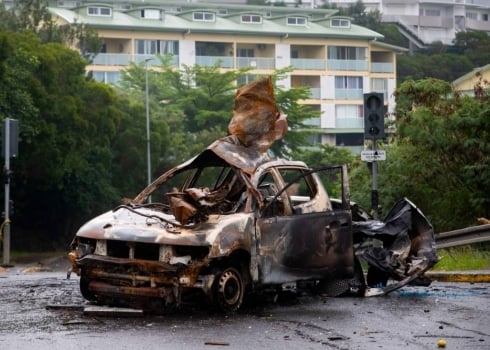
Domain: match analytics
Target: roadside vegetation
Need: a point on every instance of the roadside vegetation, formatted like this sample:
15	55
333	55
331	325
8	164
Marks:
83	143
464	258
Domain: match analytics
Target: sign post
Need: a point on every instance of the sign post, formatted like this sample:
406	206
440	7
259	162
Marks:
10	148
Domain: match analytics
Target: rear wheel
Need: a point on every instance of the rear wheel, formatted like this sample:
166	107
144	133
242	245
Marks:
228	290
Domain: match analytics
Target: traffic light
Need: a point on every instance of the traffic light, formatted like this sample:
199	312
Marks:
374	116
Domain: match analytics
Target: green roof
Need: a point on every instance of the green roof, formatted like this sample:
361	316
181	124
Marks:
126	16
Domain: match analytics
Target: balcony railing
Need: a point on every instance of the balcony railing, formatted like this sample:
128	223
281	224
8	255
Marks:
316	122
357	65
378	67
315	93
307	63
123	59
211	61
256	62
112	59
348	94
349	123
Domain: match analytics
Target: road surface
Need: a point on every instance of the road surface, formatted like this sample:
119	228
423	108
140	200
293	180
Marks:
44	310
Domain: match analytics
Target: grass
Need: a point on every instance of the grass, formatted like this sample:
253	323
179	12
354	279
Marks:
463	258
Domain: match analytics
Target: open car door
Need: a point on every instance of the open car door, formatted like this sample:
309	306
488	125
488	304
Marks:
299	235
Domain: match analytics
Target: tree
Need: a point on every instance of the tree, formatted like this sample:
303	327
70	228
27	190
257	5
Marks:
33	16
446	66
475	45
197	104
441	156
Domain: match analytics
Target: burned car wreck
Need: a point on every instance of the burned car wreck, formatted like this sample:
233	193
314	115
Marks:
232	221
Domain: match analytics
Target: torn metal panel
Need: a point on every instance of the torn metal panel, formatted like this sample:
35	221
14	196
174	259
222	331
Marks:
255	115
408	245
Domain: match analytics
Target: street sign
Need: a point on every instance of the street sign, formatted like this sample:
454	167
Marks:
369	156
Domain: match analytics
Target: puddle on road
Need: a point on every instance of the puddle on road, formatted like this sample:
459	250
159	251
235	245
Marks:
447	292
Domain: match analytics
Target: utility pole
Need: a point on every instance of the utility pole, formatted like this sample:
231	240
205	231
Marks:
148	146
10	148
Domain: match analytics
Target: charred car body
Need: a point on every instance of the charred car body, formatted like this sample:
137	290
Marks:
232	221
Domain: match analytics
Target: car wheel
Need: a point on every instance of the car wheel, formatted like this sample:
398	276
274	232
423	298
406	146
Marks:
84	282
228	290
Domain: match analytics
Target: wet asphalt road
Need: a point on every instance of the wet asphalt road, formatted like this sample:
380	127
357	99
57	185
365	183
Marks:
43	310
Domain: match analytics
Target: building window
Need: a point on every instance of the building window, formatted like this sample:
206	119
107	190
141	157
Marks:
314	139
340	23
99	11
242	80
297	21
346	53
257	19
472	15
152	14
379	85
349	111
344	82
349	139
484	17
203	16
153	47
433	13
246	53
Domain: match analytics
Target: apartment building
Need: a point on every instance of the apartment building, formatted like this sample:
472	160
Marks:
421	21
338	60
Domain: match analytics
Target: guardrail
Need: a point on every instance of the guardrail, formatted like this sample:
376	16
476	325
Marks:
464	236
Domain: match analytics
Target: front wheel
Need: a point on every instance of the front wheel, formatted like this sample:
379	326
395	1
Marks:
228	290
84	289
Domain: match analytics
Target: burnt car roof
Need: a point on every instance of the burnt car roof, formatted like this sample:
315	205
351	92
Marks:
224	151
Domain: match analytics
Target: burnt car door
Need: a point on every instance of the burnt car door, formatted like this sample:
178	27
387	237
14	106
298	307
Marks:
299	235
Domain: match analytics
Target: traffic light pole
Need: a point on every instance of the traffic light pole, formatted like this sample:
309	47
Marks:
374	112
374	189
5	228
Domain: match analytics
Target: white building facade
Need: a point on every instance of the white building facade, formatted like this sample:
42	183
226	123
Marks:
336	59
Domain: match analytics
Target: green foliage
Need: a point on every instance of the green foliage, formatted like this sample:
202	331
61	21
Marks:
463	258
325	155
440	158
33	16
66	128
197	104
475	45
444	66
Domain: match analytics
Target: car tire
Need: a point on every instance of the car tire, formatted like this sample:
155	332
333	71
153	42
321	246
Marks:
84	290
228	290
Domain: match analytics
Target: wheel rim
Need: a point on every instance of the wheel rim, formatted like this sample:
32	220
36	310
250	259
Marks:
230	290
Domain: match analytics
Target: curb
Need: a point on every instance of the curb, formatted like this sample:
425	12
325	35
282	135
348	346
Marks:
460	276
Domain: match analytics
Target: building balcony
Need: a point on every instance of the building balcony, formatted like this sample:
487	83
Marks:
313	122
210	61
355	65
315	93
112	59
308	63
349	123
382	67
124	59
349	94
256	62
